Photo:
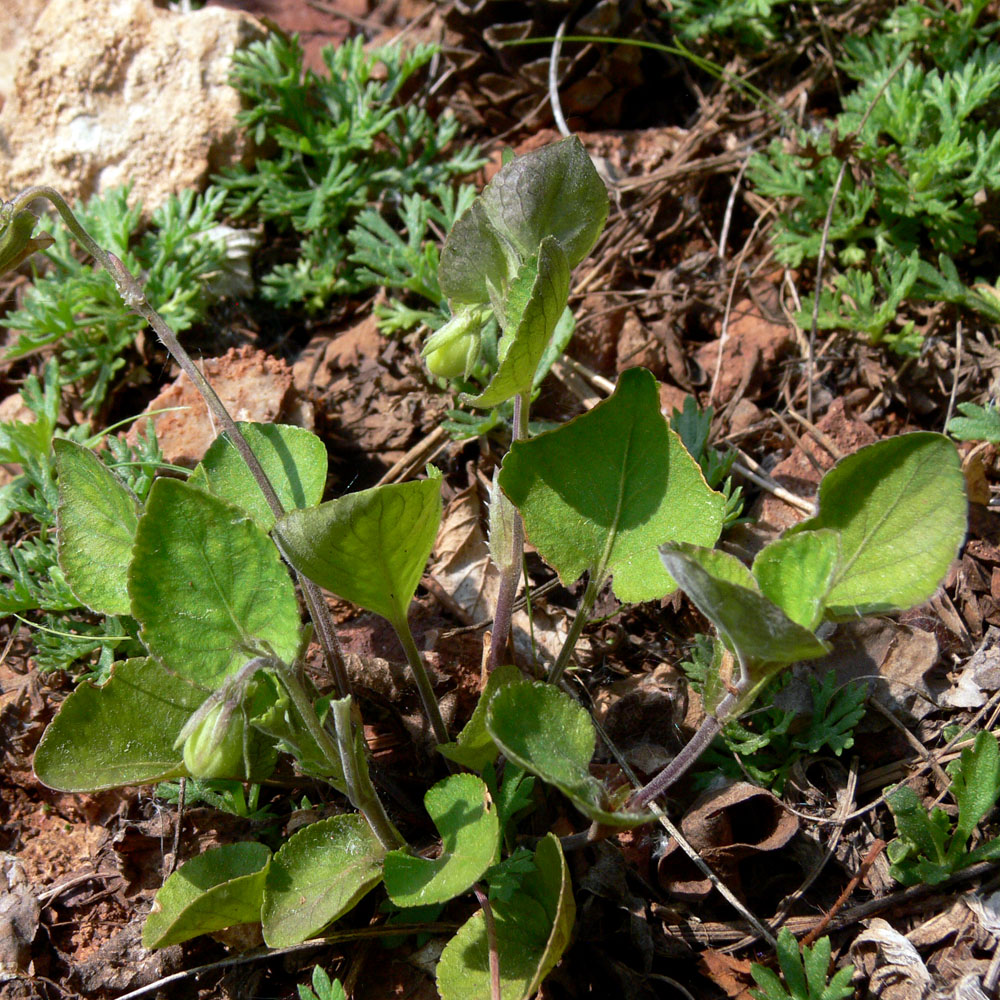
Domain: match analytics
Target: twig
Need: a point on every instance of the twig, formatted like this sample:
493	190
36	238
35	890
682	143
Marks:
959	340
752	471
265	954
874	851
664	821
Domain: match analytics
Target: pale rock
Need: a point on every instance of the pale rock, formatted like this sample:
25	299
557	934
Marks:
112	91
253	386
16	19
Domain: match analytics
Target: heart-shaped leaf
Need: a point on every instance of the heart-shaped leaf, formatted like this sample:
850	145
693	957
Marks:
97	519
370	547
318	875
535	305
466	818
208	586
474	747
601	492
532	931
472	259
221	888
121	733
293	458
547	733
725	592
900	508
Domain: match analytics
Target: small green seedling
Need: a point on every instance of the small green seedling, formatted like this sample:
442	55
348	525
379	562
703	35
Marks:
977	423
322	988
931	847
765	743
806	974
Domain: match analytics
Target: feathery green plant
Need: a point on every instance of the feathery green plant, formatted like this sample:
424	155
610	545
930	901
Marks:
342	140
922	172
75	307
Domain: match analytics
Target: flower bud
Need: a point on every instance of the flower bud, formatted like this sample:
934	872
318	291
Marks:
215	748
454	349
16	241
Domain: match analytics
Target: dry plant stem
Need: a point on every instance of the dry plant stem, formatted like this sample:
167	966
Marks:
869	859
133	296
491	942
424	686
511	572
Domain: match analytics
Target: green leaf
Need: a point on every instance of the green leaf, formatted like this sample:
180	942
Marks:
208	586
120	734
790	960
900	508
977	423
532	931
369	548
975	783
926	832
317	876
293	458
474	747
602	491
472	259
466	818
547	733
535	305
221	888
98	518
796	574
553	191
725	592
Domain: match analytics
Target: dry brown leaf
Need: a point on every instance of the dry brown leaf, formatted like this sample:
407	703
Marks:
725	826
890	963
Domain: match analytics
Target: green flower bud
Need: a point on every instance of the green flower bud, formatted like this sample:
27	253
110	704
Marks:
454	349
16	241
215	748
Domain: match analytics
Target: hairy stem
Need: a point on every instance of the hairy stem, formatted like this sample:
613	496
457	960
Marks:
359	782
360	792
135	298
509	561
689	754
491	941
424	686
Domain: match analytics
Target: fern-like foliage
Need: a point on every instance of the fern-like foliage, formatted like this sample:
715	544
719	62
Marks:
75	307
769	742
30	577
920	171
341	140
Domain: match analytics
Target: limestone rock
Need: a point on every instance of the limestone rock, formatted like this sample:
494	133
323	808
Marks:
16	19
111	91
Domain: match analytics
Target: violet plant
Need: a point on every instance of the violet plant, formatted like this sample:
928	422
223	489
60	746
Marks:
612	495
